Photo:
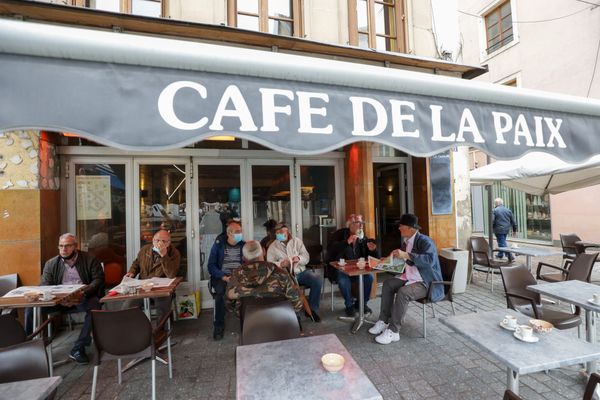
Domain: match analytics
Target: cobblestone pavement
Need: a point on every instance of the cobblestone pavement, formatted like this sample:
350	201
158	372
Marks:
443	366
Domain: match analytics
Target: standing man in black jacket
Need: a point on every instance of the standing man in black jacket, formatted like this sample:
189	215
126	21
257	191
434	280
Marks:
502	221
75	267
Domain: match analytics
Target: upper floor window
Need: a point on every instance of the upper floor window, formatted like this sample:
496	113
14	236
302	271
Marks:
377	24
148	8
280	17
498	27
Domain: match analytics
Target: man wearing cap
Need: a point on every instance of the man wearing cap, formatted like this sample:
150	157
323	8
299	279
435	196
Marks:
289	252
350	243
422	267
225	256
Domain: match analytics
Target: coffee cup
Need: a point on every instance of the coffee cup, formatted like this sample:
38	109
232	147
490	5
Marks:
524	331
509	321
342	262
597	298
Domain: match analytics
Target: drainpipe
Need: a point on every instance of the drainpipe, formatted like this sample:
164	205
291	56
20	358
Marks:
490	210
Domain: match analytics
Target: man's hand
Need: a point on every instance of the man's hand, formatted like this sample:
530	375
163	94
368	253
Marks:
226	278
295	259
371	246
162	248
400	254
73	299
352	239
285	263
129	275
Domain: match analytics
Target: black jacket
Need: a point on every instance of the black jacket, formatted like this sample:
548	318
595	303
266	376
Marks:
338	247
89	269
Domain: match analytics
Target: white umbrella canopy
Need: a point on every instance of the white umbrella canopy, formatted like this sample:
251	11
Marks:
539	173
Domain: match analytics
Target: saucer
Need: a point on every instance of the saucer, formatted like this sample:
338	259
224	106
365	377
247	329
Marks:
593	302
532	339
508	328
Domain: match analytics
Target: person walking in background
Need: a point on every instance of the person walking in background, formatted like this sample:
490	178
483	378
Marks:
502	222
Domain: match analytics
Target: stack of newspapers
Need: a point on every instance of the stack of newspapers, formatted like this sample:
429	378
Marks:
387	264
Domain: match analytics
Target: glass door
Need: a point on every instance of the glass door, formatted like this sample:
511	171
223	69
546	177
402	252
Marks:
161	203
97	201
271	191
219	190
391	202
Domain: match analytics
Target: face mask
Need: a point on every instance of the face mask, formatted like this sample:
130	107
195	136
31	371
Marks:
237	237
282	237
360	234
156	250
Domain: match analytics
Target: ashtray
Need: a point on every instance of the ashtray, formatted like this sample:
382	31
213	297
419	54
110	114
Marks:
541	326
333	362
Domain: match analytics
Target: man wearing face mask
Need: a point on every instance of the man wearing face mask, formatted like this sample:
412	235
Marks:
74	267
289	252
225	256
158	259
351	244
422	268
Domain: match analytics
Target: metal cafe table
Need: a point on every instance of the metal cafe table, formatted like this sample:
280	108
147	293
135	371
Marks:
31	389
291	369
351	269
577	293
553	350
529	252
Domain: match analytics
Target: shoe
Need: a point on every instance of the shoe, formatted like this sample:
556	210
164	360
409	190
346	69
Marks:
315	317
218	332
378	328
368	310
387	337
78	355
349	311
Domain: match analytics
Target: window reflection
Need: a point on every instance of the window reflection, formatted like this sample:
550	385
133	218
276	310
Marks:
250	6
105	5
148	8
247	22
270	196
283	28
280	8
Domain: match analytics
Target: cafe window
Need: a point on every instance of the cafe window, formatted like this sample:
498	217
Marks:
498	27
279	17
377	24
147	8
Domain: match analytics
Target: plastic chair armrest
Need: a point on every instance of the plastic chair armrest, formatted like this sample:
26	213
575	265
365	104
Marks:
532	301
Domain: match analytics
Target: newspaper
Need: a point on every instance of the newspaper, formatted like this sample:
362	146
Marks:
158	282
388	264
54	289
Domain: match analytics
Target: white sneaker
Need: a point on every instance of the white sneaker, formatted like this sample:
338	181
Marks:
378	328
387	337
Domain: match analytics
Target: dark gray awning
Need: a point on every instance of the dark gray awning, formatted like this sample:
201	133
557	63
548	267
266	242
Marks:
144	93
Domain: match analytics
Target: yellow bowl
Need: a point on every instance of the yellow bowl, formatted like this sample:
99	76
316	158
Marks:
333	362
541	326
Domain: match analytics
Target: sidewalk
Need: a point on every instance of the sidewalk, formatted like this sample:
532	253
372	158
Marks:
443	366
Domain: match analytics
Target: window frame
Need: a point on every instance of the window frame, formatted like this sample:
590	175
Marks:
125	6
501	33
264	17
400	20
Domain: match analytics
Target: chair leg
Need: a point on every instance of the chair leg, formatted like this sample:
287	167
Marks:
432	310
453	310
169	351
331	296
50	359
153	379
492	279
119	369
424	321
94	381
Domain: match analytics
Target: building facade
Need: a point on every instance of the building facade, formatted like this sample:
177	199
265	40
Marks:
550	46
57	181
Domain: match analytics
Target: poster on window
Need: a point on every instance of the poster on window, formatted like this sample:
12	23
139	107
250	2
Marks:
93	197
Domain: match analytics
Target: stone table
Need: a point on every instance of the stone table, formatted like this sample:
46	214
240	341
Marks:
554	350
32	389
577	293
291	369
529	252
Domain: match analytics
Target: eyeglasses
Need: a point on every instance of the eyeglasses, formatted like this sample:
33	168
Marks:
64	246
161	241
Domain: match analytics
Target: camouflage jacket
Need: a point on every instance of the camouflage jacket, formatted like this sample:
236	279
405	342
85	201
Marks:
260	279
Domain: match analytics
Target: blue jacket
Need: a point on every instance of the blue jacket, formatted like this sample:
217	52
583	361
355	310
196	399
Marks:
502	220
424	256
217	254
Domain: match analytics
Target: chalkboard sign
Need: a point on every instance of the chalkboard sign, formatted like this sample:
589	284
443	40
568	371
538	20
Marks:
441	183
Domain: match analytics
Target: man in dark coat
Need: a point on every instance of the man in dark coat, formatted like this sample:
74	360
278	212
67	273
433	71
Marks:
75	267
502	222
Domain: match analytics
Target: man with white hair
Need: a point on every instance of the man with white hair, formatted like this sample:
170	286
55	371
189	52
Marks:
259	278
75	267
502	221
